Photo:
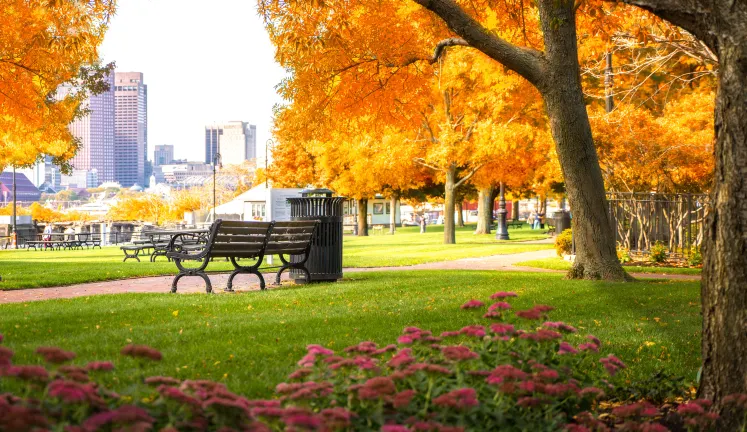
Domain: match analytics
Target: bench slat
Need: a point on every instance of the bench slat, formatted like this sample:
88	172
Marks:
246	238
289	238
290	247
238	247
293	230
243	230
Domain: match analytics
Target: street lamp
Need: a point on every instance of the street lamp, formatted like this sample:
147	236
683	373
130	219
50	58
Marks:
268	144
216	162
14	239
501	230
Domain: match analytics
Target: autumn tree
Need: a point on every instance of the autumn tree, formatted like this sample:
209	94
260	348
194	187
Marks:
722	27
140	207
44	45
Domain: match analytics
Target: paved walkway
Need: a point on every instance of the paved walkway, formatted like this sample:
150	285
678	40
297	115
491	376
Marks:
162	284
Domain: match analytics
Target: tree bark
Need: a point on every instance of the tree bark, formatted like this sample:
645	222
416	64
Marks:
722	26
449	206
515	210
460	213
556	74
596	255
484	210
393	214
363	217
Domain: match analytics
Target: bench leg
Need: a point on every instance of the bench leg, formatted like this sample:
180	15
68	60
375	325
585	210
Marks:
288	265
128	256
199	271
245	270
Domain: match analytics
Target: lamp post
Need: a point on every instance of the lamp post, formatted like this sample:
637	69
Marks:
501	230
268	144
14	239
216	163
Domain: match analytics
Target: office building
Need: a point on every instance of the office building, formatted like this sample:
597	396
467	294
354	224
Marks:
130	128
236	141
163	155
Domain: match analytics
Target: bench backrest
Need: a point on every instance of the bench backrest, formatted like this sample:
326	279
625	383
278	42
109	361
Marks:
291	238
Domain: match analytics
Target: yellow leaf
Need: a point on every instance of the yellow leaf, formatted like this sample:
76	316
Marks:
175	313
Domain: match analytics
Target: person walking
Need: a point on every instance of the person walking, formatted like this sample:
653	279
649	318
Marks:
532	217
423	223
47	237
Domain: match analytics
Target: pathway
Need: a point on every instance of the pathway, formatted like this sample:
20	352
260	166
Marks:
162	284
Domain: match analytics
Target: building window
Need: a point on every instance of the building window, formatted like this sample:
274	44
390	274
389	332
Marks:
378	208
258	211
388	208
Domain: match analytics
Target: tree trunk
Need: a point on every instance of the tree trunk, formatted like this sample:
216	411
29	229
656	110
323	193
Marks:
460	213
363	217
515	210
449	206
724	283
596	256
393	214
484	210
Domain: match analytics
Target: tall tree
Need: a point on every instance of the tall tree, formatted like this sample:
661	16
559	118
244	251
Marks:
722	26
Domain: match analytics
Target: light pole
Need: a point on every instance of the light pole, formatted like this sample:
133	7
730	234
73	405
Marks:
268	144
501	230
216	163
14	239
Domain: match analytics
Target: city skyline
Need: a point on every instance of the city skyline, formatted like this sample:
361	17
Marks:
223	72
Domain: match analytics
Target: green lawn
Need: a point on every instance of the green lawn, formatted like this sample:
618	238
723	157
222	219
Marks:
34	269
251	341
561	264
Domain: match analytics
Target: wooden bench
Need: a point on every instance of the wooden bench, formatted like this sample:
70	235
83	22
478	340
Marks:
248	240
514	224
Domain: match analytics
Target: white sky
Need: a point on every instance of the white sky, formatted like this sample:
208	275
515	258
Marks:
203	62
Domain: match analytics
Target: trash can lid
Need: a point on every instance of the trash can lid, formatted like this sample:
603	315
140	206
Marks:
316	193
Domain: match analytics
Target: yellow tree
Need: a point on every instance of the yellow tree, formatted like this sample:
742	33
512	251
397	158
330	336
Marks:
43	45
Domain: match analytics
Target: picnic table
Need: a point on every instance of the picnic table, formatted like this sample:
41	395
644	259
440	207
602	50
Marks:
156	243
69	241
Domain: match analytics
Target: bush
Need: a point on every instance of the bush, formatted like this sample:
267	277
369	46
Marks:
623	254
518	372
695	259
564	243
658	252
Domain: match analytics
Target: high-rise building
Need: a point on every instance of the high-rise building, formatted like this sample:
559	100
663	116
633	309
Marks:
236	141
163	155
96	134
130	128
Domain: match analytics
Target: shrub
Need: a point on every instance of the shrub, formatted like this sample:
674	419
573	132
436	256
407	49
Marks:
516	371
695	258
658	252
623	254
564	243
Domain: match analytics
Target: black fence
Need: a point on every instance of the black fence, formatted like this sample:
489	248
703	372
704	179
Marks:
642	219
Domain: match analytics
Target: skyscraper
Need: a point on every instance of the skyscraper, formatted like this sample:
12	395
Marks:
96	134
163	155
130	128
237	141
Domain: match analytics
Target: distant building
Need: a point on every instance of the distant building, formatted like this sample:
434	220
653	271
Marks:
163	155
130	128
180	172
236	141
25	190
81	179
96	134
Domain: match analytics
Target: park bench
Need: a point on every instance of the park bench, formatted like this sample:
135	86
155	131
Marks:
515	224
237	240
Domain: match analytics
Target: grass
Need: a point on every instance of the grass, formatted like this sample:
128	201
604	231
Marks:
251	341
561	264
34	269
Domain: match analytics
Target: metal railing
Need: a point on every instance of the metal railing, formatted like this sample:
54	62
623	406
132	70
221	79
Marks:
642	219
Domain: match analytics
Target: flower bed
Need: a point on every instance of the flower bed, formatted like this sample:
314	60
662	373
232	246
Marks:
515	371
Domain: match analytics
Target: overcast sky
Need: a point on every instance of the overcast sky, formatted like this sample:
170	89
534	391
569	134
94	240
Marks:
204	62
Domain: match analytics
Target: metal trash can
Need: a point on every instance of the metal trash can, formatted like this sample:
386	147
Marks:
562	221
325	256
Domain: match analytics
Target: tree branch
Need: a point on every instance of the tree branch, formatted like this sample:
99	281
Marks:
421	161
437	52
468	176
528	63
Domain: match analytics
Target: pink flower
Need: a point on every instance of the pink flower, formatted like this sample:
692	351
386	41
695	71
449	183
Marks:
461	399
364	363
738	399
566	348
548	375
638	409
403	398
27	373
612	364
406	339
100	366
541	335
450	334
402	358
412	330
300	373
690	408
308	360
6	354
319	350
1	338
594	391
390	347
588	347
126	415
560	326
363	347
142	351
302	421
377	387
428	368
55	355
530	314
68	391
529	402
505	372
543	308
499	306
473	330
459	353
178	396
337	418
503	294
473	304
502	329
162	380
594	340
394	428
